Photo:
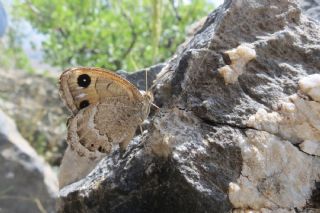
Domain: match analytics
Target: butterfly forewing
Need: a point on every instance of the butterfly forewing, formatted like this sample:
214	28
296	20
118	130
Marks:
81	87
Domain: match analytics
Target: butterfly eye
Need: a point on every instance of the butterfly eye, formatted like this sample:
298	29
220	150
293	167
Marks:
84	80
84	104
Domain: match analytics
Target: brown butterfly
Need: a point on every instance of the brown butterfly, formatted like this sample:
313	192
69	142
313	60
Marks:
106	110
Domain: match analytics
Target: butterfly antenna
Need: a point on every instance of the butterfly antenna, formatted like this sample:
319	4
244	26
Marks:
141	129
155	106
146	75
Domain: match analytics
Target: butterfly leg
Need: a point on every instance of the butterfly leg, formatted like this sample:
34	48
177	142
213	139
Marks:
124	144
123	147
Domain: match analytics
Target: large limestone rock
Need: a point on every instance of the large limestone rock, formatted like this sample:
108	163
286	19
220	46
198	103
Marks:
238	128
28	184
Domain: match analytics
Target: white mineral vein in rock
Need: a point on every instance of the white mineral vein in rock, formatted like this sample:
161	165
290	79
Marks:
310	85
298	119
239	57
275	174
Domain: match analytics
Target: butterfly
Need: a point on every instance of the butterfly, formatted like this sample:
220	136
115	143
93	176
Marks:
106	110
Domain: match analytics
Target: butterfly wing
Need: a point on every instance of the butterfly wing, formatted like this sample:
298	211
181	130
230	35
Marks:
107	109
96	128
81	87
91	133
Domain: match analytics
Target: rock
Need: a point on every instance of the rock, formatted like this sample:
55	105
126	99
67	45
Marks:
149	184
295	120
268	163
139	78
310	85
28	184
310	147
33	102
237	59
311	8
220	142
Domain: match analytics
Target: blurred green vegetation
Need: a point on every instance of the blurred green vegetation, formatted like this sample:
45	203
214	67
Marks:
12	55
110	33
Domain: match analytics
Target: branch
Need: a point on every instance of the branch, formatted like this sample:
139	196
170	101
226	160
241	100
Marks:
133	34
175	10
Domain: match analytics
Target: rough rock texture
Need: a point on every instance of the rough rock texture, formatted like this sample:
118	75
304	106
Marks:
217	145
311	8
28	184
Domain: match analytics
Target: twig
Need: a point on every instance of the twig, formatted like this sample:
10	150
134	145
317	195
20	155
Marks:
133	34
175	10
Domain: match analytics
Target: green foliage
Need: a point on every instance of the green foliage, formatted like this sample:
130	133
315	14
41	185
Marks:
111	33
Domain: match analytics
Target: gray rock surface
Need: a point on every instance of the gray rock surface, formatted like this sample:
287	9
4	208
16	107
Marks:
139	78
201	153
311	8
28	184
